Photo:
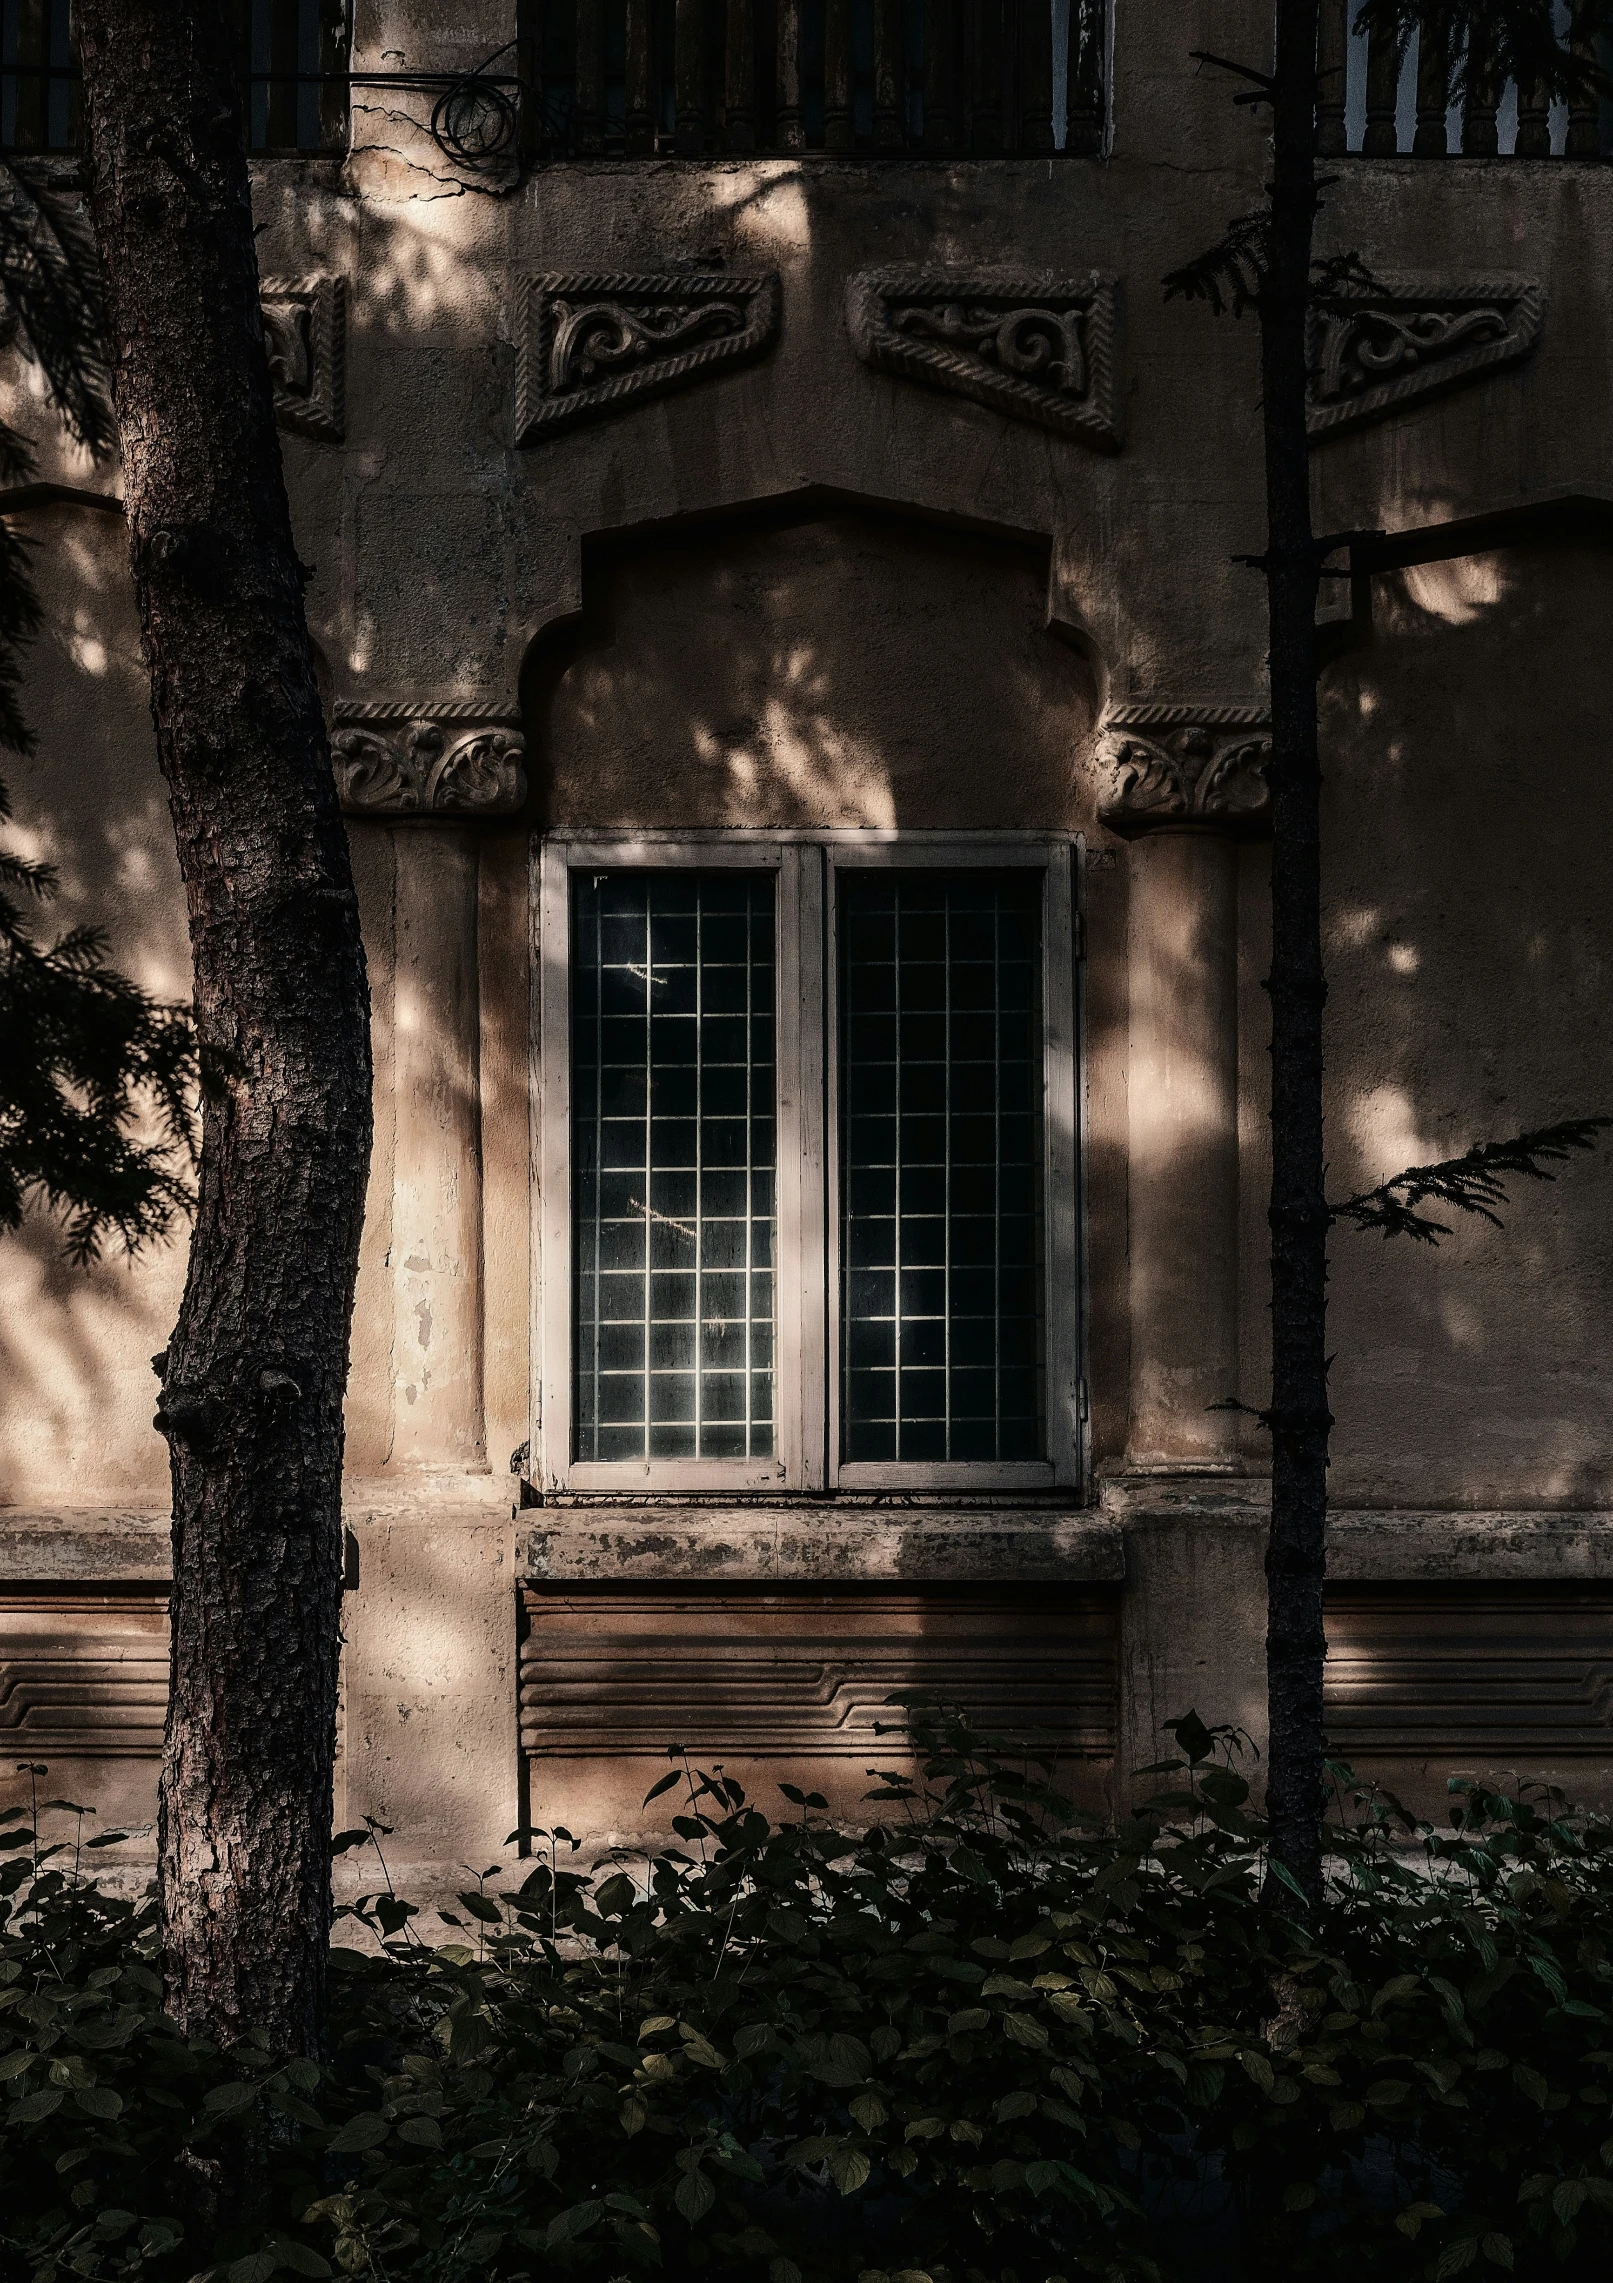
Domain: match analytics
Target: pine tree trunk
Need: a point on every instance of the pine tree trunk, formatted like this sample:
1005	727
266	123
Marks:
252	1383
1297	1552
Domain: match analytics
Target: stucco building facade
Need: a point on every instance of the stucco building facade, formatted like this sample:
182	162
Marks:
801	722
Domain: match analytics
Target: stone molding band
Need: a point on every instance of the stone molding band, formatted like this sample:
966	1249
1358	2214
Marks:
1169	767
456	758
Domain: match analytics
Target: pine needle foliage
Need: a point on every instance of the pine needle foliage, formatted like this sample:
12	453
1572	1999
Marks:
86	1056
1473	1183
1546	45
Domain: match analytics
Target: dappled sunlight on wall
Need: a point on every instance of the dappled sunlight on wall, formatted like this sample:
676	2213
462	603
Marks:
1469	839
76	1387
848	670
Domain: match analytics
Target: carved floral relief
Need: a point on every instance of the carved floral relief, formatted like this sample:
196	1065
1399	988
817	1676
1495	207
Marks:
1373	352
592	342
1185	768
304	324
445	760
1026	343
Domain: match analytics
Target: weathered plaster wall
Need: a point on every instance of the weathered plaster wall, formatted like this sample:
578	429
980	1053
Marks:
76	1387
1469	837
854	669
804	592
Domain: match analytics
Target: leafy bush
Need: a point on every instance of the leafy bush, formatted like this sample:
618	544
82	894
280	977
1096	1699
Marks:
986	2040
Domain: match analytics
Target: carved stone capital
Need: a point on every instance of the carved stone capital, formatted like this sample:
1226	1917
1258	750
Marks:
1372	352
1027	343
591	342
448	760
1185	768
305	326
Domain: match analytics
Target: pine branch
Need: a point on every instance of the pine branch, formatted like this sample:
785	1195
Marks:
1228	276
51	281
1487	42
1473	1183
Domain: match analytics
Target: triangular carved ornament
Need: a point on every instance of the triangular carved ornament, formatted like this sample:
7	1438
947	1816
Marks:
593	342
1028	343
1373	352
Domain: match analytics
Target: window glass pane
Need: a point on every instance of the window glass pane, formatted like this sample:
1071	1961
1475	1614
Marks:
672	1164
941	1165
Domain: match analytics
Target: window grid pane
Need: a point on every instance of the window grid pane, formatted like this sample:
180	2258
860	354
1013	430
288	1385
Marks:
941	1162
673	1164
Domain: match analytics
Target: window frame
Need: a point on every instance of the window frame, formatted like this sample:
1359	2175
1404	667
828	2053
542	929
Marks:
806	1253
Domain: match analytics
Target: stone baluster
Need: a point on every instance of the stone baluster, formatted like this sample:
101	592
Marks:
940	78
1429	141
1332	49
791	134
1383	87
1478	111
1534	124
690	136
739	77
640	125
588	123
890	77
1035	77
837	134
986	98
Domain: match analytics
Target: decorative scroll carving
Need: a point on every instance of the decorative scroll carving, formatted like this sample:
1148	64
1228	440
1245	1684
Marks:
800	1679
83	1675
1035	346
304	322
445	760
590	342
1185	768
1370	353
1470	1679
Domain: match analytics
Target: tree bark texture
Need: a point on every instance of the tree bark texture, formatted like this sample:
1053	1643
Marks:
1299	1417
253	1378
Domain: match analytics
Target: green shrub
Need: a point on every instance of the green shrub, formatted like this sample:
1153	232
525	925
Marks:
986	2040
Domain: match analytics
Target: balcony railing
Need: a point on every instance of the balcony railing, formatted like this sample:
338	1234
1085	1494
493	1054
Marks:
1376	105
850	78
293	56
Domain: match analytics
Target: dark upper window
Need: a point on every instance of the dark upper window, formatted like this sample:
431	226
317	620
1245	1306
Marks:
875	78
293	64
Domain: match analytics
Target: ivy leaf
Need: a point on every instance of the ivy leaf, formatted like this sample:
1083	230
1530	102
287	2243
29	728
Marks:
694	2196
301	2258
366	2130
849	2167
36	2106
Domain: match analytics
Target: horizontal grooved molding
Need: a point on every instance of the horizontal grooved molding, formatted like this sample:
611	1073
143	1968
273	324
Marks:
759	1675
1517	1675
83	1673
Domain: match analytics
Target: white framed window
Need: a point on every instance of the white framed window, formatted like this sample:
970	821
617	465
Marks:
809	1169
